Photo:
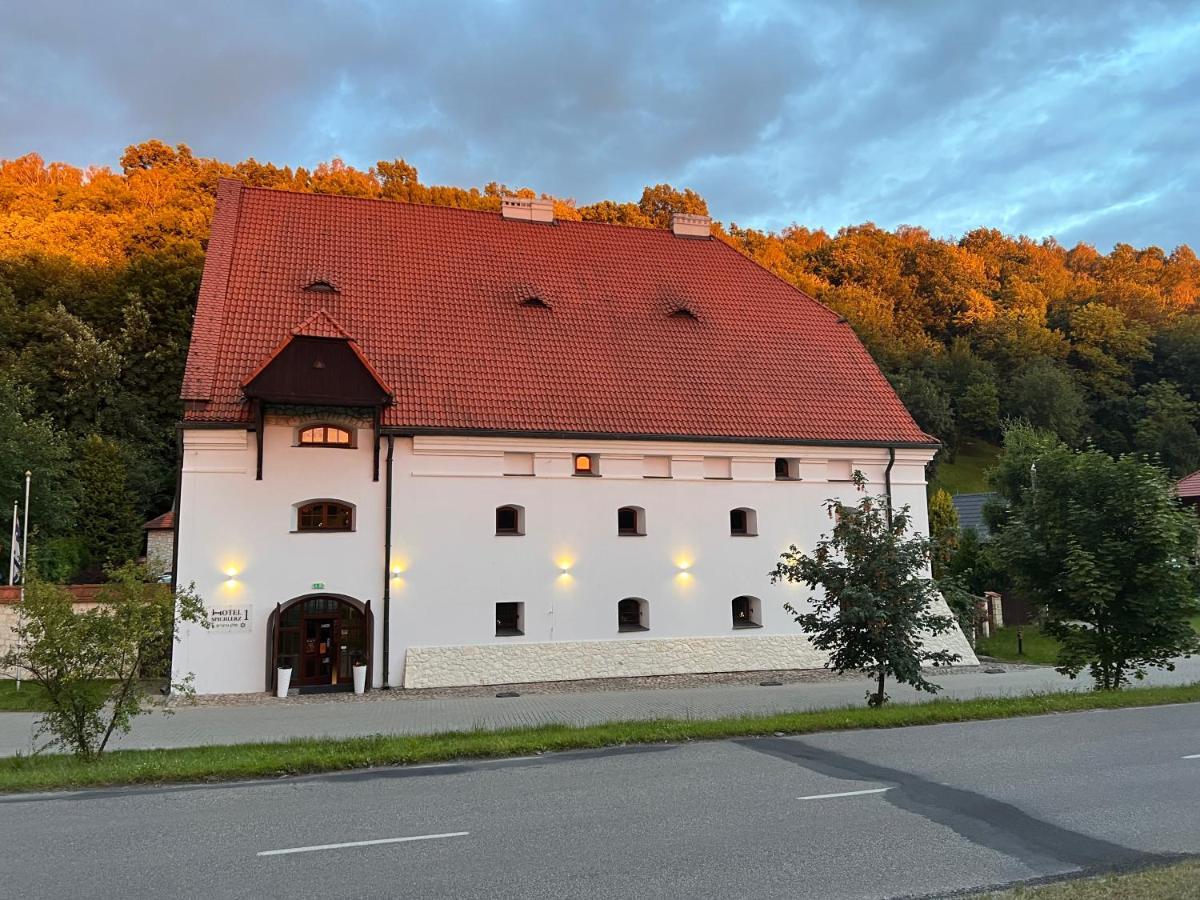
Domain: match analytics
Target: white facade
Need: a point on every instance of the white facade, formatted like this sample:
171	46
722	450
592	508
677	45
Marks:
448	568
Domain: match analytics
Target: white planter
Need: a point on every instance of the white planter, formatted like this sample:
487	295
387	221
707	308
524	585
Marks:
360	679
283	680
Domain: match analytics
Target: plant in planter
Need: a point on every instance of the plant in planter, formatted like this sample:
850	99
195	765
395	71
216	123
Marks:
283	679
359	662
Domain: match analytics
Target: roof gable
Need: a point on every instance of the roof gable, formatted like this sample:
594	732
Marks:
436	301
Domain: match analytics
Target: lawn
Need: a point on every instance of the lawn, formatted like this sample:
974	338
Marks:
1178	882
1040	649
31	698
965	474
225	763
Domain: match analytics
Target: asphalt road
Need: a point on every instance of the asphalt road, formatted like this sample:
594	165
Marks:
951	807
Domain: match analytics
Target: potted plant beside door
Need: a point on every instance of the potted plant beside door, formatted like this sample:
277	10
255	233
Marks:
360	673
283	680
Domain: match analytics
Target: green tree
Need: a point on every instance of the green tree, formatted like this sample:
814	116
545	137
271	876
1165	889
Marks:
1104	547
90	664
1168	428
874	613
943	530
1046	397
109	524
659	202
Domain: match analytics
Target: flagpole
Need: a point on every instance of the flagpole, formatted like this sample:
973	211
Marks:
25	536
12	546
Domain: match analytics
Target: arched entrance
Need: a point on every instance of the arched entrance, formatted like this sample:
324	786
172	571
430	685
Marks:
321	636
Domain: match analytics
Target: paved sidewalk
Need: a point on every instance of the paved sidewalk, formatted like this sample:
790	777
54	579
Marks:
192	726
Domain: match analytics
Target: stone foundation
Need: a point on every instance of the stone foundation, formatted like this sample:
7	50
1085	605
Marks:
454	666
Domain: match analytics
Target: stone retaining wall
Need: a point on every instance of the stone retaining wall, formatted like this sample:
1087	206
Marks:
451	666
10	606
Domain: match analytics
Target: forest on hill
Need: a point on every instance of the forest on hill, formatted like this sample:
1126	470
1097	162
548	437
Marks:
99	271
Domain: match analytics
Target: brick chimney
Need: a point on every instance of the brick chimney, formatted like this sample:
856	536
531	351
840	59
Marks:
689	225
526	209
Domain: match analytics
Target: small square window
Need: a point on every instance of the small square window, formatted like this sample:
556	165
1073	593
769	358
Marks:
510	619
585	464
787	469
743	522
747	612
631	520
510	520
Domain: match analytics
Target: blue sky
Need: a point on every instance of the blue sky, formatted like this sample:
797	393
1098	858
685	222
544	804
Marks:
1079	120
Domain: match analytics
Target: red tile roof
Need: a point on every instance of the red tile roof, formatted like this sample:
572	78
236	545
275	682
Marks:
165	522
1189	486
432	297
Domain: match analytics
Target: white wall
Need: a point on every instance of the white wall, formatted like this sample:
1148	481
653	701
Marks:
451	568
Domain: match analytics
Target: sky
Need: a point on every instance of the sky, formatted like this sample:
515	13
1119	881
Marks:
1079	120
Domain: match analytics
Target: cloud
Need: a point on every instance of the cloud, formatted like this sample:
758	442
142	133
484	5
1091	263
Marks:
1077	120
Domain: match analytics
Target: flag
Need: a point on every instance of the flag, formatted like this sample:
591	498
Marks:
16	558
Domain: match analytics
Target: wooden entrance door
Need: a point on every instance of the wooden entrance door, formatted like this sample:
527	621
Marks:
319	650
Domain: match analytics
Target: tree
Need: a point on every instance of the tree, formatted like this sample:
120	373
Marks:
874	612
89	664
109	523
1105	548
1046	397
943	530
658	203
1167	430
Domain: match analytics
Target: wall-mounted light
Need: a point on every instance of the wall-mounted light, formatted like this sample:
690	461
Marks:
231	572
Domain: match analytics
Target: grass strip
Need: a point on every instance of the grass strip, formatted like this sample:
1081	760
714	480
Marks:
303	756
1175	882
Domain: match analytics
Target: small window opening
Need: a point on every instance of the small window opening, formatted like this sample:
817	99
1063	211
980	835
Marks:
325	436
535	301
510	520
631	520
743	522
325	515
321	287
747	612
633	614
787	469
510	619
585	464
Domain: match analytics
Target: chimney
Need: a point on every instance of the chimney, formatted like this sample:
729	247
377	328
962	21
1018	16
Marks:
691	226
527	210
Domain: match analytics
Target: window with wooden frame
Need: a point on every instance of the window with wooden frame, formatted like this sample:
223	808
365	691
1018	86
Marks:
325	515
325	436
510	519
631	521
585	464
510	619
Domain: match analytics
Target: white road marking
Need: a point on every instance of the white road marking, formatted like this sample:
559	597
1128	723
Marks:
844	794
1193	756
398	840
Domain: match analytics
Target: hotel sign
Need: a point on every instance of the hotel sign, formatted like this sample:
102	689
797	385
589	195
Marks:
230	618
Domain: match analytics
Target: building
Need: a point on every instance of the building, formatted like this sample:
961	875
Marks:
970	512
160	543
477	448
1187	489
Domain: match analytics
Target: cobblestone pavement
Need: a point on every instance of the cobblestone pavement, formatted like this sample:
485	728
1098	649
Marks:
397	712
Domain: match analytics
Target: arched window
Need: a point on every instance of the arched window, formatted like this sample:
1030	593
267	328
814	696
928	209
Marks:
631	520
510	519
325	436
747	612
324	515
787	469
633	614
743	522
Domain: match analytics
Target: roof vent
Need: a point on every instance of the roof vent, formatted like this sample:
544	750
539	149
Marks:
527	209
689	225
682	312
321	287
535	301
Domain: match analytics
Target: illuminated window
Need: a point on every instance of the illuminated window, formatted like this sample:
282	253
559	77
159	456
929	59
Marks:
631	520
747	612
743	522
510	520
510	619
325	436
633	614
325	515
787	469
585	464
